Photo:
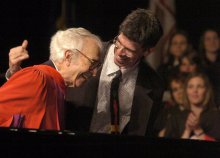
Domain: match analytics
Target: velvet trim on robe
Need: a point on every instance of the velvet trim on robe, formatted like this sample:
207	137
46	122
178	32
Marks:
36	93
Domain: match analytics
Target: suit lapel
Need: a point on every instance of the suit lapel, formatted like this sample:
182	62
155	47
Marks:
142	104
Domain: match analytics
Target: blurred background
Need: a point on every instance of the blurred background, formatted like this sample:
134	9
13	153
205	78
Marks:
38	20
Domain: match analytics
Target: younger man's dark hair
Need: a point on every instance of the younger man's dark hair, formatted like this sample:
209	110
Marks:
142	27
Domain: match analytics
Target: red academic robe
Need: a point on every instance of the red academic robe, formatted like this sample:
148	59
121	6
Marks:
35	93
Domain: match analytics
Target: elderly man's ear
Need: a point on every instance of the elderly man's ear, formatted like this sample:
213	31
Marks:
68	57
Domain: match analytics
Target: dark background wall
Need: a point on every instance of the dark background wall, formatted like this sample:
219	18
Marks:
36	20
23	19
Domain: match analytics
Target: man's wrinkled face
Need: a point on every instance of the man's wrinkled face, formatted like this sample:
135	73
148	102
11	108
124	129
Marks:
85	66
88	69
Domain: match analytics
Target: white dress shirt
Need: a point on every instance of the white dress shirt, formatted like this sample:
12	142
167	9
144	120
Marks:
126	93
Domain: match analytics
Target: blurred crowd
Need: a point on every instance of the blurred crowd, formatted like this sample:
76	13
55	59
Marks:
191	99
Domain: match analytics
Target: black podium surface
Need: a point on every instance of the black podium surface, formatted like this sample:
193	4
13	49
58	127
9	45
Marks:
35	143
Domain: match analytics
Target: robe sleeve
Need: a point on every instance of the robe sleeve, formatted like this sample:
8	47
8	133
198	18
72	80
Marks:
25	93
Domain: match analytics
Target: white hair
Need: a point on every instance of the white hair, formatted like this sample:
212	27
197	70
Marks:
72	38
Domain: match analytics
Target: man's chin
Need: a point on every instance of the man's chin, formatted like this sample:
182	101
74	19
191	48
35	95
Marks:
120	63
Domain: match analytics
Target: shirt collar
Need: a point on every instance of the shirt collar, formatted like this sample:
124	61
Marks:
54	65
112	67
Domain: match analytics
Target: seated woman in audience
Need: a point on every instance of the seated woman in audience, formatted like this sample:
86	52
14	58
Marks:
209	47
178	44
190	62
201	119
210	54
175	106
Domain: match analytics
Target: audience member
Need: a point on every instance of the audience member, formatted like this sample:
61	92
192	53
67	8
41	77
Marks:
210	54
190	62
175	105
209	47
178	44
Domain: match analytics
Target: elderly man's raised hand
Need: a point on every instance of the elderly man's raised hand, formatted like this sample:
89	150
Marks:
16	56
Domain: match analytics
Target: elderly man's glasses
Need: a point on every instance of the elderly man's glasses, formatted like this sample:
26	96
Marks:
94	63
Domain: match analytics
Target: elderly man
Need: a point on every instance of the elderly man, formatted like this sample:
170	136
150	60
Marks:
34	96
